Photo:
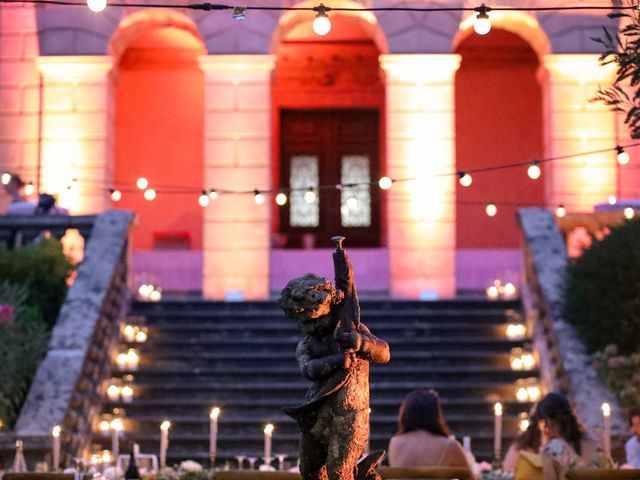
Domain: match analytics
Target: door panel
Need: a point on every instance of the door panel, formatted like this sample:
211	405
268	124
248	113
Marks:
345	144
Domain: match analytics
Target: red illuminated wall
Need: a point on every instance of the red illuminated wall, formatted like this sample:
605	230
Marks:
160	135
498	121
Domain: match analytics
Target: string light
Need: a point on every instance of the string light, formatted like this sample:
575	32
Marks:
482	23
612	200
203	199
258	197
622	156
310	195
28	189
321	24
142	183
385	183
116	195
561	211
97	5
534	170
281	199
213	194
491	210
629	213
6	178
465	179
149	194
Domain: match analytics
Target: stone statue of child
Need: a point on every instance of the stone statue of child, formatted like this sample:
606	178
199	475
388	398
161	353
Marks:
335	355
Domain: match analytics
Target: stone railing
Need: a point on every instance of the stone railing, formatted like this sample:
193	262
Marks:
67	388
22	229
565	365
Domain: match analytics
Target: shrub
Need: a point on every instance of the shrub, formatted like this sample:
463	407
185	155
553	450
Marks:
43	269
602	293
23	342
621	373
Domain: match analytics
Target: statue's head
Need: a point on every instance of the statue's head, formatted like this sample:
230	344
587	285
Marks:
308	300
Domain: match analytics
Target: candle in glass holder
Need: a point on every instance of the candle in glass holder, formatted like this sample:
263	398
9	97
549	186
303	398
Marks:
268	432
213	434
606	415
164	442
122	361
127	394
132	359
55	433
129	332
497	434
113	392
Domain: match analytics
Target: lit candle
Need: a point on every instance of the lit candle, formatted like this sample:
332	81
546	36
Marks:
127	394
113	392
164	442
497	435
132	360
213	434
141	336
606	414
121	361
116	427
129	332
268	432
55	433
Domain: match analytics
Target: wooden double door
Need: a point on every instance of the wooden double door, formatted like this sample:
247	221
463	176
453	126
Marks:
329	166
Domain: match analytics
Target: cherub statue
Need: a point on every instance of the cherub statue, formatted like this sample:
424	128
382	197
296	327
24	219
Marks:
335	355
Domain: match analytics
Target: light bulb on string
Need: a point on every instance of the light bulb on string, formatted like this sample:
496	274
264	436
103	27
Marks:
321	24
561	211
116	195
213	194
482	24
97	5
612	200
29	189
385	183
622	156
465	179
534	170
281	199
258	197
6	178
203	199
491	210
310	195
149	194
142	183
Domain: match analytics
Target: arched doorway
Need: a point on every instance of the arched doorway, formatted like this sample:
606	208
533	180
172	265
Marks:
499	120
328	103
159	130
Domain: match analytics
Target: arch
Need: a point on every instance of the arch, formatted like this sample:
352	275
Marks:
298	23
139	23
522	24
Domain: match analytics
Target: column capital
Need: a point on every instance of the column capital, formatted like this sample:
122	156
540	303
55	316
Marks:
72	68
237	67
582	68
420	69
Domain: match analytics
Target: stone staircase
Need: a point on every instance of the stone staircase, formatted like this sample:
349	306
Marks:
241	358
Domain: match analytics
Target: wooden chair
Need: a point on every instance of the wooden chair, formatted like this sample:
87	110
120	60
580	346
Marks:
603	474
254	475
425	472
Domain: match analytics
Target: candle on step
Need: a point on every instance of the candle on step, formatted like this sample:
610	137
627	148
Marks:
606	414
55	433
164	442
213	434
497	434
268	432
116	427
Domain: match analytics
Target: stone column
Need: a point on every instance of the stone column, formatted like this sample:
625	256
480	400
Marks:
19	96
421	143
237	157
573	125
77	131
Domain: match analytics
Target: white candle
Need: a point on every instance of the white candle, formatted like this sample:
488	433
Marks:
164	442
132	360
121	361
113	392
606	414
129	332
127	394
268	432
213	433
55	433
497	434
116	427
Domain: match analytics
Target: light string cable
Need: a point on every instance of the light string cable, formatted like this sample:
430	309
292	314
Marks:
130	187
216	7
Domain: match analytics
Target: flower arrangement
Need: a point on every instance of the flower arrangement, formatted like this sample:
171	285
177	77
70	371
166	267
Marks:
187	470
621	373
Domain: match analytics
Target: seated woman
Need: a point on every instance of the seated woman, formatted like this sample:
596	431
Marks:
527	444
423	435
565	444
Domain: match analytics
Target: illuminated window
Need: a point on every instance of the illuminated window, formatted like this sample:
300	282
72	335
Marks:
304	174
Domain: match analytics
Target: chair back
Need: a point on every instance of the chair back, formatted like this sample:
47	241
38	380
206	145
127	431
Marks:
444	473
603	474
255	475
41	476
